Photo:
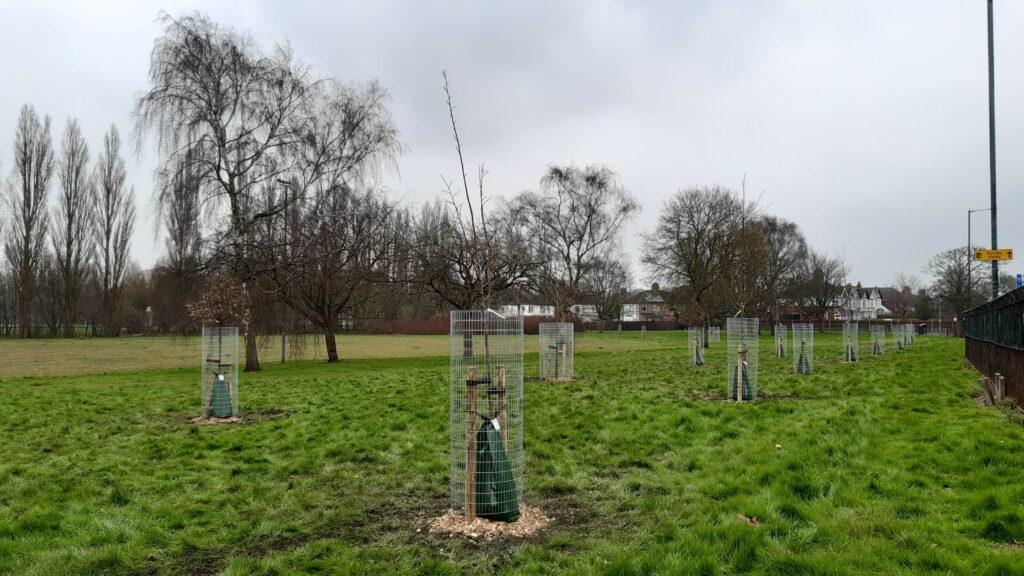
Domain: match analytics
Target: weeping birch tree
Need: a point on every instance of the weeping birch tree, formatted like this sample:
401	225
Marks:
245	122
219	105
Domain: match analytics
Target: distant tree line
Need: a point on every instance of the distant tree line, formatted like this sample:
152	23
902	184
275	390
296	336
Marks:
959	284
267	194
65	259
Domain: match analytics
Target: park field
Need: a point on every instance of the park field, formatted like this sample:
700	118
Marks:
888	466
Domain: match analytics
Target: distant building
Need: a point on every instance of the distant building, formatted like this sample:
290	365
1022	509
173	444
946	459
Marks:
646	305
857	303
585	312
527	310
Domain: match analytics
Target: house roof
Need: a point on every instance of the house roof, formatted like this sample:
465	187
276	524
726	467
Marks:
645	297
851	291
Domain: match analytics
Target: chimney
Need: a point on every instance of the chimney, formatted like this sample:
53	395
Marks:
655	287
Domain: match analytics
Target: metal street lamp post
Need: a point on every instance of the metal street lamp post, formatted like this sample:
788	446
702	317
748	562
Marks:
970	256
992	149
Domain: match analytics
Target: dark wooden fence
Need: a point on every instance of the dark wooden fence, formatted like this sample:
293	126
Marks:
633	326
441	325
994	340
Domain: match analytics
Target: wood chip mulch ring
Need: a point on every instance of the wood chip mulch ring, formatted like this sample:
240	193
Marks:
531	520
210	420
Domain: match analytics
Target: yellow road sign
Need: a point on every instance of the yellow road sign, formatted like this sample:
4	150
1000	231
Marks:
993	254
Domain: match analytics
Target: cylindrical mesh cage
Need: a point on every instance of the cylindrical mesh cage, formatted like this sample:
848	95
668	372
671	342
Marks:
741	353
850	342
878	339
803	348
556	350
695	342
714	334
220	372
898	336
620	329
911	333
643	331
486	414
780	340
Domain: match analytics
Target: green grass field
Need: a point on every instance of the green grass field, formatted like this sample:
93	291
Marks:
885	467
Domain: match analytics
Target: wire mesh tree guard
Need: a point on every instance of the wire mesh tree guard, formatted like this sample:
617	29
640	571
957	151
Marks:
643	331
220	372
878	339
898	336
556	350
911	333
695	342
741	353
803	348
486	414
780	340
850	342
620	329
714	334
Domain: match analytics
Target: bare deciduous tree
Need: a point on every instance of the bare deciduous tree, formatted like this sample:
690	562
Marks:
696	244
825	278
27	189
463	254
217	101
177	275
906	286
73	220
114	225
575	221
246	121
950	269
606	285
49	300
785	254
336	257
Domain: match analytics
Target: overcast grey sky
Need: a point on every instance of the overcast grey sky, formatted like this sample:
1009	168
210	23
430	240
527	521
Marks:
864	122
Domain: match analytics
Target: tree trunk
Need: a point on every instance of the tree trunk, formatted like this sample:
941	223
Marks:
25	315
252	353
69	325
332	346
70	304
252	357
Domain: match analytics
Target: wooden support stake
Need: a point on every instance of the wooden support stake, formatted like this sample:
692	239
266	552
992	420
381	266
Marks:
208	400
741	353
471	444
565	351
502	415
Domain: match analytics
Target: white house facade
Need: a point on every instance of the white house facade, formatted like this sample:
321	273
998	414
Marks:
856	303
526	310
